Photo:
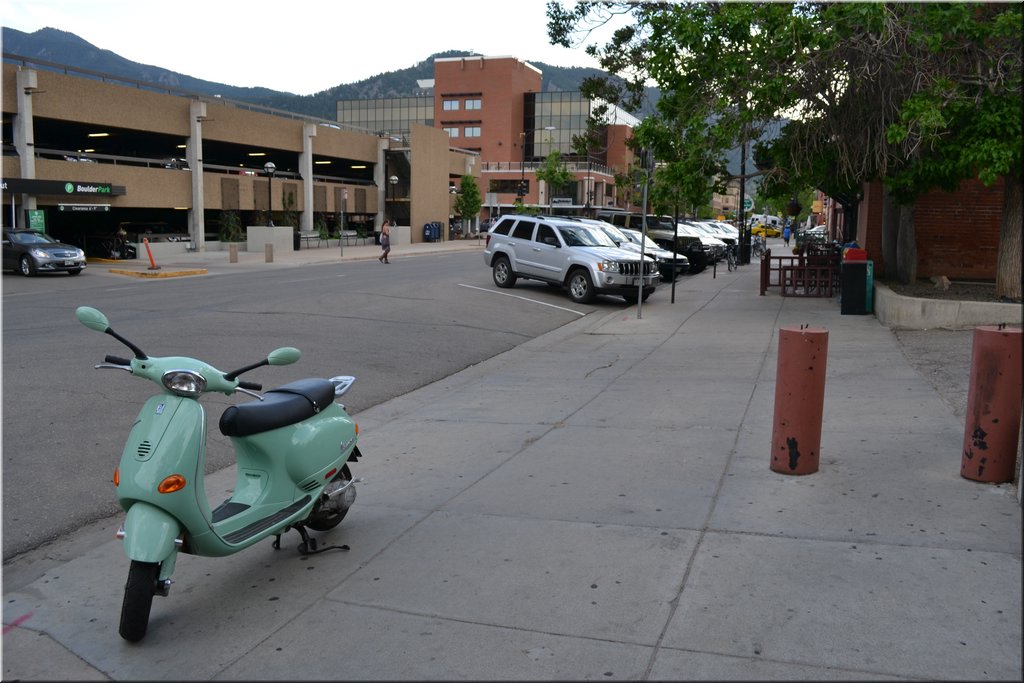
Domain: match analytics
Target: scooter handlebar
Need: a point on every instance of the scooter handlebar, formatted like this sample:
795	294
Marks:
116	360
252	386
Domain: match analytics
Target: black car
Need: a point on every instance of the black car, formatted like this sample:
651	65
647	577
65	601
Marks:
29	252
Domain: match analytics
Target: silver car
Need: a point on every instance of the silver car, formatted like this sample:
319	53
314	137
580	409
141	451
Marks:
29	252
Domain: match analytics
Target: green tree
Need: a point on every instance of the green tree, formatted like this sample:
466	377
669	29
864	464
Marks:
555	174
230	227
469	201
917	95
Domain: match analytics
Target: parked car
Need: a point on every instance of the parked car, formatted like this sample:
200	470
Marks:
669	266
685	240
708	236
30	252
766	230
566	253
633	221
818	232
672	264
726	235
727	228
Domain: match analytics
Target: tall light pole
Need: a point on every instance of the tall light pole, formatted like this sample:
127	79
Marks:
393	181
522	169
270	167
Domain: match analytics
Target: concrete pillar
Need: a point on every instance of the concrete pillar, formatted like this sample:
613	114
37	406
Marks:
306	171
381	181
194	157
27	81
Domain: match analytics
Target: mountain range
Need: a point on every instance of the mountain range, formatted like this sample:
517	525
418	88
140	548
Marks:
62	47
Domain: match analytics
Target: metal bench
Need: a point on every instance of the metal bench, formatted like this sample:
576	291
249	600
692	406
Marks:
307	236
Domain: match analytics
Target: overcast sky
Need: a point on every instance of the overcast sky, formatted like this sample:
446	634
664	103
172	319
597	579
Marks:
297	46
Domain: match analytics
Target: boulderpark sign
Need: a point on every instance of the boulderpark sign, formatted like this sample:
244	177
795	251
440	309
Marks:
63	188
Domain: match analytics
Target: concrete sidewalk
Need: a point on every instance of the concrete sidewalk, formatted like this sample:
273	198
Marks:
597	504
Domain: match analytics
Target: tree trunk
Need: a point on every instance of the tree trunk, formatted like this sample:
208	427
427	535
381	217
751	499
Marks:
890	233
1009	258
850	212
906	247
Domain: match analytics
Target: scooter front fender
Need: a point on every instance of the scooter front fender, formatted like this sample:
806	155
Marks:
149	533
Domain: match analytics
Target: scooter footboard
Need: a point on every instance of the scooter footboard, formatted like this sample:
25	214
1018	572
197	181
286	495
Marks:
149	533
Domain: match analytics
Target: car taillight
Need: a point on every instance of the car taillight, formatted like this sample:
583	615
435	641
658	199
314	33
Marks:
487	240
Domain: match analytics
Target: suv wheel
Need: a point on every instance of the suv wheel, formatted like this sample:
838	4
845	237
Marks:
581	289
502	273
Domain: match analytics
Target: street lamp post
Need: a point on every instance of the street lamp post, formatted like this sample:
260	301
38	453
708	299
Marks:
522	168
393	181
270	167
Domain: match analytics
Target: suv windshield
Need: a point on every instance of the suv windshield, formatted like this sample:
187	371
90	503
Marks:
579	236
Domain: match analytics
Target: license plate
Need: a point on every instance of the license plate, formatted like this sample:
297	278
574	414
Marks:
69	263
634	281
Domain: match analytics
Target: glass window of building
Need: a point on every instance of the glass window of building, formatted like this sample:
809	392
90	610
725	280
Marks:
390	114
472	131
472	104
452	132
451	105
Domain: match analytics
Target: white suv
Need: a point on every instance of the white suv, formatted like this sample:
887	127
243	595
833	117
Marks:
569	254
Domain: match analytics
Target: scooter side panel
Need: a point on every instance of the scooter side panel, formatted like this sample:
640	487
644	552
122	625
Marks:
149	533
320	445
167	438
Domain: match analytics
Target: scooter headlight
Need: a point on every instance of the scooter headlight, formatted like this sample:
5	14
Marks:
184	383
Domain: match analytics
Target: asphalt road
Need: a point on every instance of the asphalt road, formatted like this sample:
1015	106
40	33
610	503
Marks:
395	328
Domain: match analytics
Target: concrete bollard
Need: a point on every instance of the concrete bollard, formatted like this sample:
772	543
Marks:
232	253
268	251
992	425
799	399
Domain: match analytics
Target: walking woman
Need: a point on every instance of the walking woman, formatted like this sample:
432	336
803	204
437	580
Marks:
385	241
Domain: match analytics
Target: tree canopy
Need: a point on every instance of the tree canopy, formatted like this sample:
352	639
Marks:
916	95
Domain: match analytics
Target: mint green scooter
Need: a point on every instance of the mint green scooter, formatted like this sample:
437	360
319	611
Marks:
293	445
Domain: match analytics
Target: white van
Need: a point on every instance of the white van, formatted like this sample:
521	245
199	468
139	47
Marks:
765	219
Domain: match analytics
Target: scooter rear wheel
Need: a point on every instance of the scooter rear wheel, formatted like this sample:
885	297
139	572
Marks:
138	599
328	522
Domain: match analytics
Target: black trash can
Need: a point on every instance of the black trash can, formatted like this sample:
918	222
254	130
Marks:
853	298
296	241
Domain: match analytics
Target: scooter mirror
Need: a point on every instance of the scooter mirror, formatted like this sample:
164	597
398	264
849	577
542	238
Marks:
286	355
92	318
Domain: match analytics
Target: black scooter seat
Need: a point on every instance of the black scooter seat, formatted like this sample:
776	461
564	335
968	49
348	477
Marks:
285	405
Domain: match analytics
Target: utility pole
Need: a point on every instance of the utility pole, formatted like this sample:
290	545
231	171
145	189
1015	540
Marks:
744	255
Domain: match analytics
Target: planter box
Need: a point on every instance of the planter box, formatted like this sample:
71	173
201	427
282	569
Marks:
259	236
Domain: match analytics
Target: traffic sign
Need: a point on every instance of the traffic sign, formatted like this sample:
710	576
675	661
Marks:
748	204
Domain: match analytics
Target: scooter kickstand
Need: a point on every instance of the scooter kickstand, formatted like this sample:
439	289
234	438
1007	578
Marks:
277	542
308	544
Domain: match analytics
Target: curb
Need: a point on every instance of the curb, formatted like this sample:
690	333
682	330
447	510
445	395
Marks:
913	313
175	273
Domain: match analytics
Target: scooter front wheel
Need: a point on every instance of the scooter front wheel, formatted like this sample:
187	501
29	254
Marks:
138	599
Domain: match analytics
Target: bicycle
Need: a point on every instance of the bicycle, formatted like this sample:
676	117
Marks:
757	245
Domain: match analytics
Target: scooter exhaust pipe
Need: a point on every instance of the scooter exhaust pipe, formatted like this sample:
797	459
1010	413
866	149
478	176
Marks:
341	489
